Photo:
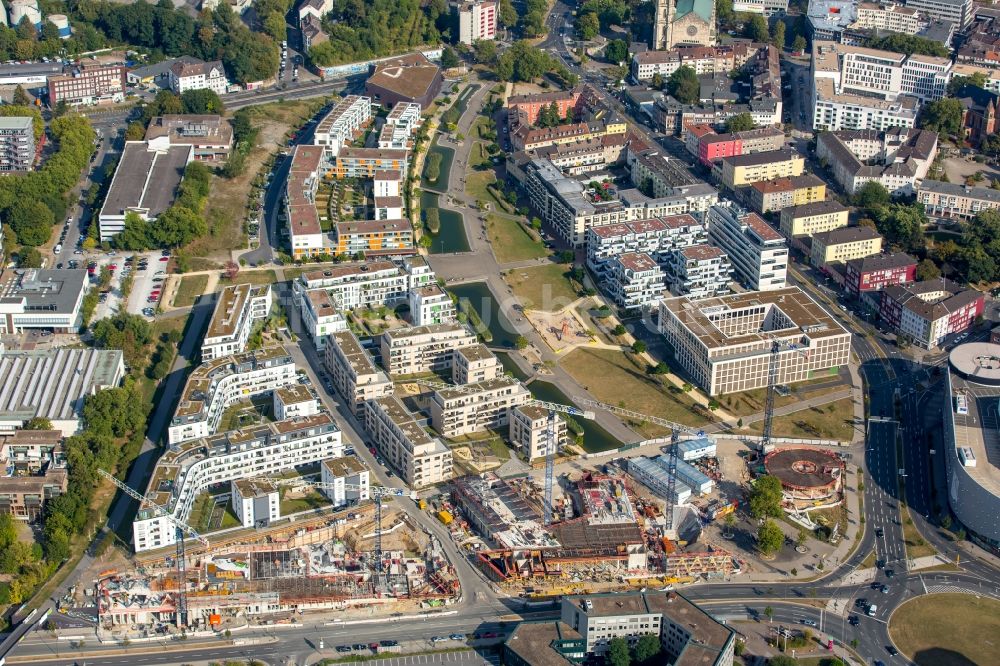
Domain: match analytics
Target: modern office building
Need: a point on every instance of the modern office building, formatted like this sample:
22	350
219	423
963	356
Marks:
17	143
420	459
353	371
476	407
36	298
188	469
844	244
725	343
758	253
813	218
477	19
529	428
213	386
210	136
959	12
956	200
238	309
419	349
925	313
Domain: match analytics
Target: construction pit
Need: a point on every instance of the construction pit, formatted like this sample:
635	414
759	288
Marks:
275	576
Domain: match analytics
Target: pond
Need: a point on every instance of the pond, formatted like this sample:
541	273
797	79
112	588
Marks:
447	155
485	304
595	438
451	237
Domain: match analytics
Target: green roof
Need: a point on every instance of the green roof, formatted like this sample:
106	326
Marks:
702	8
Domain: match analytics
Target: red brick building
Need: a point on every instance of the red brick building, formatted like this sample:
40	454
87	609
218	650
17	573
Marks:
979	112
524	109
879	271
88	84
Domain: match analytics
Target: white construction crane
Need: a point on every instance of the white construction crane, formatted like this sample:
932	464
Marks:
550	434
182	530
376	493
675	432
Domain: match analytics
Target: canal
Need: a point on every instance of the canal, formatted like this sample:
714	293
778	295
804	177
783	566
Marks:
451	237
481	300
595	438
447	155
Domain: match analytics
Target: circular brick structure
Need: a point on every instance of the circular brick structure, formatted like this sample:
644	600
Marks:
806	473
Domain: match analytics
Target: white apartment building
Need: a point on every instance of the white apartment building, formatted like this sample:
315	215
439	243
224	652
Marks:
419	349
255	502
634	281
474	364
353	371
420	459
654	236
941	199
213	386
529	427
188	469
321	315
476	407
345	480
758	253
238	308
766	7
959	12
343	124
431	305
699	271
405	115
199	75
477	19
725	343
294	401
898	158
890	17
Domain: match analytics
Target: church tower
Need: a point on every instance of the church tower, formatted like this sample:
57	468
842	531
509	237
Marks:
684	22
661	24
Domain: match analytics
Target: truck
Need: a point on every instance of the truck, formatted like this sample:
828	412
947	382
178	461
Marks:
445	517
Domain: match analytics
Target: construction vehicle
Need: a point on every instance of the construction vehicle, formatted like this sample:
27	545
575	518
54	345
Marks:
675	432
550	436
180	555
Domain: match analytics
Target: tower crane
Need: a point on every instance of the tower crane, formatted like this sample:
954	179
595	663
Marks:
181	528
550	435
777	346
675	432
376	493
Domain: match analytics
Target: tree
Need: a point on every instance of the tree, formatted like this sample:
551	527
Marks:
29	257
871	195
946	521
619	330
943	116
588	26
521	342
769	613
765	497
485	51
799	44
135	131
31	220
778	38
658	81
638	347
618	648
741	122
802	537
449	58
203	101
977	79
770	538
274	25
616	51
21	97
660	368
647	648
683	85
898	42
927	270
506	14
756	29
38	423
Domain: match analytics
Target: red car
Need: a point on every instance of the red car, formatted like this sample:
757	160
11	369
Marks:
113	267
164	258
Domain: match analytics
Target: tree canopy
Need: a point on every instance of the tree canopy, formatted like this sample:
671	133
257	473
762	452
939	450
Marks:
765	497
179	224
364	29
683	85
770	538
943	116
616	51
741	122
899	42
523	62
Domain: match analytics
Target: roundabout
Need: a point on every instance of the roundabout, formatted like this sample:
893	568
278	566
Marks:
947	629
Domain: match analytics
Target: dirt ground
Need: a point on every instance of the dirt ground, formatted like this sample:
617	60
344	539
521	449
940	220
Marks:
958	168
550	326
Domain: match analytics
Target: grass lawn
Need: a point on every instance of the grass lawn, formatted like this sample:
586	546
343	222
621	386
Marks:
545	287
251	276
916	545
511	241
611	377
188	291
833	420
868	562
947	629
499	449
479	157
752	402
313	500
476	182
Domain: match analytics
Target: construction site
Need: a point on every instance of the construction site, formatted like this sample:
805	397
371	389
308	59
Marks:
330	562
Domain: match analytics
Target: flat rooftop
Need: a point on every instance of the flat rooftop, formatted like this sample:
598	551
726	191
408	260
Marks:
255	487
201	380
52	384
145	179
191	130
57	291
979	430
229	308
293	394
344	466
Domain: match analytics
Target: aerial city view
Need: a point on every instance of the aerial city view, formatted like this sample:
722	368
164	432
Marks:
500	332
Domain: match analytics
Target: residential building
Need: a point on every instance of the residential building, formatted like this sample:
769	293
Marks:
687	633
698	271
420	349
813	218
834	111
725	343
373	237
477	19
844	244
420	459
766	7
980	109
888	17
656	237
575	158
210	136
898	158
742	170
186	75
925	313
145	183
634	281
238	309
431	305
476	407
353	371
17	143
213	386
525	109
304	228
321	315
312	32
758	253
315	8
38	298
255	502
709	147
526	137
765	196
365	162
345	480
53	384
474	364
702	59
343	124
88	84
188	469
991	74
959	12
950	200
410	78
529	431
34	471
294	401
879	271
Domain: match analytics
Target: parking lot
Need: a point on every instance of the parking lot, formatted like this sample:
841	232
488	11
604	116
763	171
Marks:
147	284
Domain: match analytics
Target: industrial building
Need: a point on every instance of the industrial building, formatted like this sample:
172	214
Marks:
725	343
238	309
38	298
88	84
